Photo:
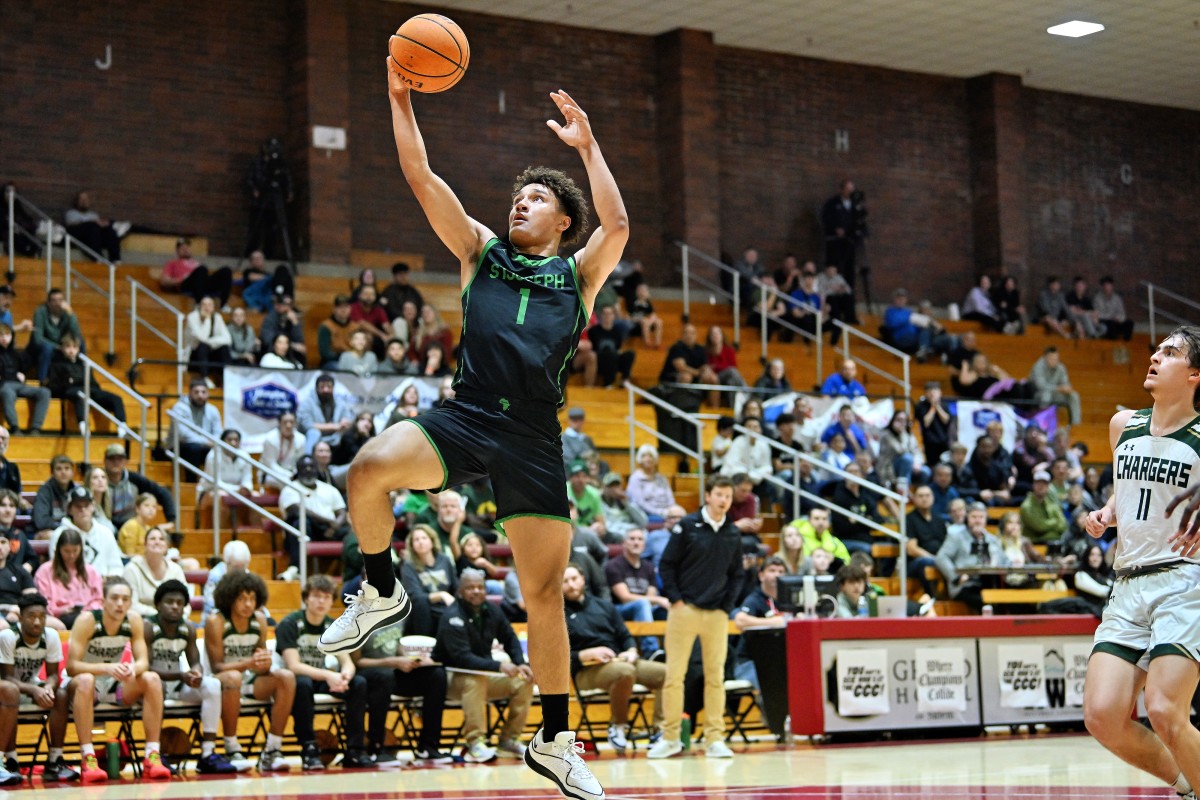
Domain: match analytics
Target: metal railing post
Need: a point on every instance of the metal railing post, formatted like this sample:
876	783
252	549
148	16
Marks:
133	324
303	541
85	423
112	313
820	346
216	500
142	449
737	314
180	367
49	255
765	297
686	286
67	268
175	466
1150	309
10	198
632	429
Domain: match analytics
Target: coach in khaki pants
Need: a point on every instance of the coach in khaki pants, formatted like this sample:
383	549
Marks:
465	643
701	572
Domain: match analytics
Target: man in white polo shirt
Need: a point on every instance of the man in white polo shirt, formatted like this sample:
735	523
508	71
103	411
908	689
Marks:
324	508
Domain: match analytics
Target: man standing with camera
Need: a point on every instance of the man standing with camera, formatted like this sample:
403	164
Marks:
842	219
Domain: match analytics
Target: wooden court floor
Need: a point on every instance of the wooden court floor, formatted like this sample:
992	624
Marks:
1058	767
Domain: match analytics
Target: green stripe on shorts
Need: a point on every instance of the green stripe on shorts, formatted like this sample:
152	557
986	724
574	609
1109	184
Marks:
1171	649
1123	652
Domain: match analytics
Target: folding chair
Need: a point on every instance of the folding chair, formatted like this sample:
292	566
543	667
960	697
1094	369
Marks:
740	702
598	697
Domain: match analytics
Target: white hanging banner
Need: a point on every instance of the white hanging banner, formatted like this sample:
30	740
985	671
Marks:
1022	676
1076	654
941	679
255	397
862	680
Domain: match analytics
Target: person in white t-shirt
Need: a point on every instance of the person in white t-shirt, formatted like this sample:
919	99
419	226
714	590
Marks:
100	548
324	508
282	449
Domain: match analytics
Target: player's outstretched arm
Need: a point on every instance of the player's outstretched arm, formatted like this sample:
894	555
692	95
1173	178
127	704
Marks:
462	235
603	250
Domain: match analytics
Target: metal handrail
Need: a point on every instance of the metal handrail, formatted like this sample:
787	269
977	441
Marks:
135	319
635	425
816	338
904	382
109	295
1153	289
901	536
285	480
686	250
139	436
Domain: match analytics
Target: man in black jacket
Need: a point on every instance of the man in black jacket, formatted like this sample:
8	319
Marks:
701	571
604	655
10	473
464	642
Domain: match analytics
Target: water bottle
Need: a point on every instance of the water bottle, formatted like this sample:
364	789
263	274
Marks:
112	755
863	609
685	732
872	604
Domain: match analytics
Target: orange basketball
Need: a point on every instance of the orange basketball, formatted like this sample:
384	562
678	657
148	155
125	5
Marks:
430	52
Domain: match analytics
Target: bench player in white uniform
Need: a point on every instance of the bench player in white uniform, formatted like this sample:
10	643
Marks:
97	674
1150	635
169	637
24	649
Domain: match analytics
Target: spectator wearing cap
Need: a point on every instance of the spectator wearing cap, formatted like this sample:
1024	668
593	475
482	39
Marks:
198	413
574	441
206	340
6	297
100	548
1042	518
50	504
333	336
844	382
283	318
124	487
12	385
324	508
648	488
322	416
186	275
620	515
399	292
588	504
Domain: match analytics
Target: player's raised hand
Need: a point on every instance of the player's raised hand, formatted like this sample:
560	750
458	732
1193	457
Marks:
396	84
578	131
1186	540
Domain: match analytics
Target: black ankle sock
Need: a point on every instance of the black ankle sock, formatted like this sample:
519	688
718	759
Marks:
554	715
380	573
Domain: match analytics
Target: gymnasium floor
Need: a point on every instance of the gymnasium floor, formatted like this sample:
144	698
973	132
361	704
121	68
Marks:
1014	768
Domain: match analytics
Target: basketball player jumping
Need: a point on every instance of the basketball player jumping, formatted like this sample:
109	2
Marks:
524	307
1149	636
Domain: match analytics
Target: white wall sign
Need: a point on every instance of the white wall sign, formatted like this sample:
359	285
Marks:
1022	676
941	679
862	682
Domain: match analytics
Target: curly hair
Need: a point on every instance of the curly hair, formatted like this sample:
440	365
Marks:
231	588
570	197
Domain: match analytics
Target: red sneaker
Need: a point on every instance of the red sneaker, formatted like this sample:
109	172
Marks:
91	772
153	769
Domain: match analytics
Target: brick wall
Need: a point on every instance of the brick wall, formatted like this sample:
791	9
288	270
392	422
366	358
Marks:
166	135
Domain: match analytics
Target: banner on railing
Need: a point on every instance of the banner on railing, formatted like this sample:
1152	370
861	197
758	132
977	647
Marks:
873	416
255	397
973	418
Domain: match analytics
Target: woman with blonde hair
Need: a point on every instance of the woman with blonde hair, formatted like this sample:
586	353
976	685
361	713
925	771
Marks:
791	549
97	481
429	577
430	329
649	489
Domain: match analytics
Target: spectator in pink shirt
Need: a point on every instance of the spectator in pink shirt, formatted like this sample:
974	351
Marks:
186	275
69	584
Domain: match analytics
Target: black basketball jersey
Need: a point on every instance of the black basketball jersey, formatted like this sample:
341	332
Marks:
522	317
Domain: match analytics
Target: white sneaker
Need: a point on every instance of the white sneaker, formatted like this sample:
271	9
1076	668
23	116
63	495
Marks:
365	612
239	761
272	761
479	753
290	574
511	748
617	737
562	762
718	749
665	748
